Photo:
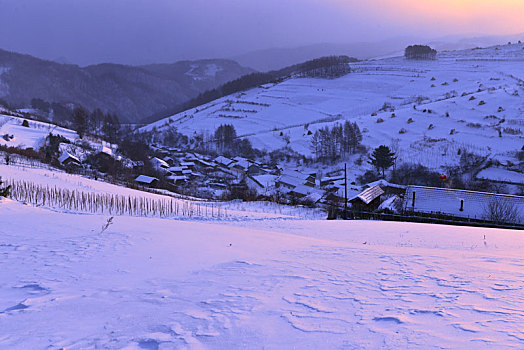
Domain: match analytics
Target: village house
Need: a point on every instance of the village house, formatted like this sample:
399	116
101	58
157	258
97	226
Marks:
290	179
223	161
147	181
159	164
263	184
367	200
388	187
67	160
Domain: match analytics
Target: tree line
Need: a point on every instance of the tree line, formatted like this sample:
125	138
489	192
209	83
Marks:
329	144
420	52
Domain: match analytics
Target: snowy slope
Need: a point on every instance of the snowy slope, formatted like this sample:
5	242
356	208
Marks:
32	136
455	84
160	283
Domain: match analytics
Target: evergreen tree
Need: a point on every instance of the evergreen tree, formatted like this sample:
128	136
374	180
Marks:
382	159
80	117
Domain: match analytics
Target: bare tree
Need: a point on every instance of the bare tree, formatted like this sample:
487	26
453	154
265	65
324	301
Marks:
502	211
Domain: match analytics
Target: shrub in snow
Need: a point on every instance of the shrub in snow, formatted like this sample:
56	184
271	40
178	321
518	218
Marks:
512	131
373	114
472	98
452	132
367	177
432	85
416	174
445	83
25	123
474	125
4	191
410	120
380	120
393	115
386	106
433	79
482	103
402	131
470	161
447	114
431	127
500	109
502	211
455	80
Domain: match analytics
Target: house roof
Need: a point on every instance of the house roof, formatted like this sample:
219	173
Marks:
292	181
295	174
204	162
177	178
186	164
177	168
223	160
301	190
448	201
241	164
67	155
265	180
160	162
383	183
369	195
145	179
106	150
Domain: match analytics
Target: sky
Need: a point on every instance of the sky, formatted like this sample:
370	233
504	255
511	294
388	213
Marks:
154	31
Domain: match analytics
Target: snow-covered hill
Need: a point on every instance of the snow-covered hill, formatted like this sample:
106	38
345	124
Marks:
470	100
31	136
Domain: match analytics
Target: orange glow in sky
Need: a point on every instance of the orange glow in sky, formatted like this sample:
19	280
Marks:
481	16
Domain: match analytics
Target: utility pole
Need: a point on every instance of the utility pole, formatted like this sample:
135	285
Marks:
345	189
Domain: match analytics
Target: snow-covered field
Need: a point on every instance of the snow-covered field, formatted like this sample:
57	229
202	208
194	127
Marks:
462	100
77	280
32	136
156	283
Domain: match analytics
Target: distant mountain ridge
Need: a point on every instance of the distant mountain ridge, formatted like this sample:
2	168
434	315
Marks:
133	92
277	58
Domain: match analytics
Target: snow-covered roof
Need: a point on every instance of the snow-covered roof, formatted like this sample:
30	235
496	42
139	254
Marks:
448	201
369	195
106	150
292	181
295	174
223	160
160	162
177	178
146	179
66	156
204	162
265	180
390	203
242	164
177	168
383	183
187	164
315	196
302	190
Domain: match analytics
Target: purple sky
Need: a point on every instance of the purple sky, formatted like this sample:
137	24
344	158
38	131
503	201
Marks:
146	31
